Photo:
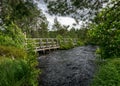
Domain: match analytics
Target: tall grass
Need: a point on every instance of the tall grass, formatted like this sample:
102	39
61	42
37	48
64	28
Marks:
14	72
10	51
108	74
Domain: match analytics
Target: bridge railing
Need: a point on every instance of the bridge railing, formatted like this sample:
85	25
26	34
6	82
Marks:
42	44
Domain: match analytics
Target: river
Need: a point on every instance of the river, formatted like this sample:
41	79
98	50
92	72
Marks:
74	67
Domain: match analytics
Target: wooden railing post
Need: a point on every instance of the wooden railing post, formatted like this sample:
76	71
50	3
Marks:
40	43
47	43
50	43
57	42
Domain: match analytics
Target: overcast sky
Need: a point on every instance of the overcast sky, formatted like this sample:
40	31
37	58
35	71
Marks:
64	20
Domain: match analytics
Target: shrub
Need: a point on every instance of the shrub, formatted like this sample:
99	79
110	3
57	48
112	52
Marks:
14	73
98	51
105	31
31	46
9	51
65	44
12	35
23	72
108	74
6	40
80	43
32	61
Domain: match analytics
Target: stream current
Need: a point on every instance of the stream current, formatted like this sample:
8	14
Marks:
74	67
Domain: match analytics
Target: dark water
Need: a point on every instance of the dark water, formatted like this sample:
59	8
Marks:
74	67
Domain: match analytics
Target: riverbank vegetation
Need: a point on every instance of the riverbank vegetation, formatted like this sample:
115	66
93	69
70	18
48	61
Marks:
105	32
69	43
17	66
18	20
108	73
22	18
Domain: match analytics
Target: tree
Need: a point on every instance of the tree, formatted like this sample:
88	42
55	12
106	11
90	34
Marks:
57	25
43	30
24	13
72	33
78	9
106	30
60	30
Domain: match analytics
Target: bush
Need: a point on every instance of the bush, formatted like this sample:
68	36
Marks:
108	74
8	51
14	73
105	31
12	35
65	44
32	61
80	43
98	51
29	62
17	72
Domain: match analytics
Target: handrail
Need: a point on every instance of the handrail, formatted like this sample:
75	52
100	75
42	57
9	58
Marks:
43	44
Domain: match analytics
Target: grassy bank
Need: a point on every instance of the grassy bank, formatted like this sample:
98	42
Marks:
108	73
17	67
14	72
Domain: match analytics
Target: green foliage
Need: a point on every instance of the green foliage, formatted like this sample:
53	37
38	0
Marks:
14	73
108	74
65	43
64	7
98	51
32	61
25	14
11	35
67	31
30	46
6	40
12	52
80	43
12	43
106	32
18	17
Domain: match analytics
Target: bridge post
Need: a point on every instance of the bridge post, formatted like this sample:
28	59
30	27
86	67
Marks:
46	43
57	42
40	43
52	42
43	44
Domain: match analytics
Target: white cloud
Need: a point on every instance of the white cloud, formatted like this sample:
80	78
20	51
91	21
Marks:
64	20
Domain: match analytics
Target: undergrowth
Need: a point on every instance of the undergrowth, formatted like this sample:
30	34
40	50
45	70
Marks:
108	73
12	52
14	72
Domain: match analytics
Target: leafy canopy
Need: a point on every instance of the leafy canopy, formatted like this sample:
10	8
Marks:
106	30
78	9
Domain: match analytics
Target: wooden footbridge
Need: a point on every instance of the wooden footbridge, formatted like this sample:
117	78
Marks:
43	44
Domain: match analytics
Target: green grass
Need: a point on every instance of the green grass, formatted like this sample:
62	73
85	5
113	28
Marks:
108	73
14	72
20	71
9	51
